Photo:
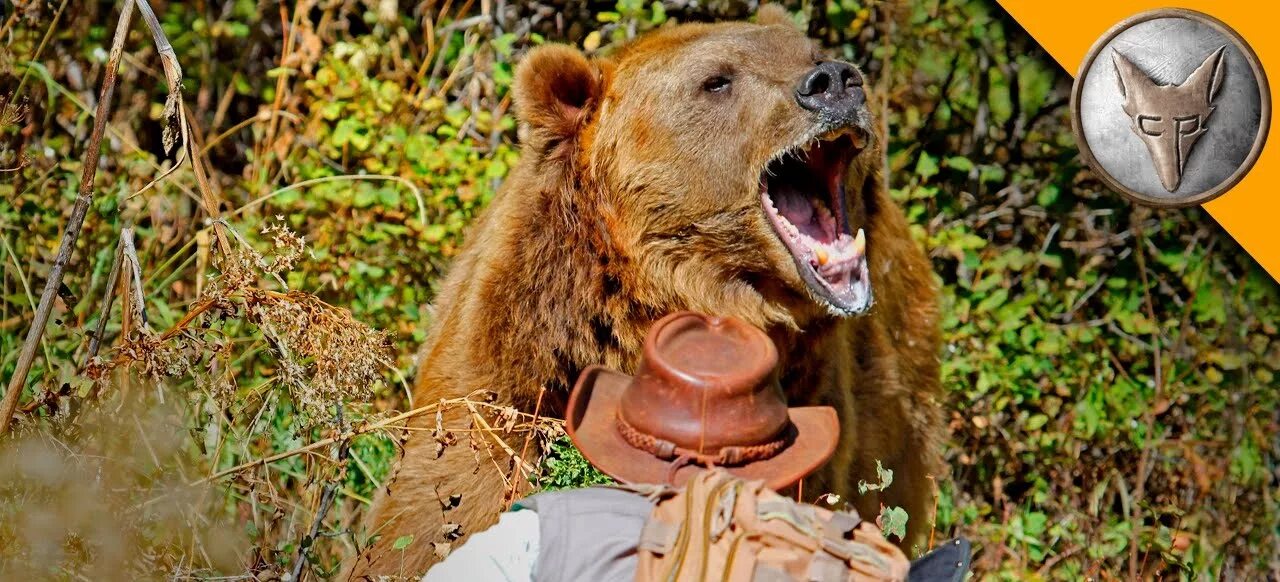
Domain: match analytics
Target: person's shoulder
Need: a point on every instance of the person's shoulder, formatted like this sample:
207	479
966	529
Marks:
597	499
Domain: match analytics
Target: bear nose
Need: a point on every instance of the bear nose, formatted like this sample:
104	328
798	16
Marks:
831	87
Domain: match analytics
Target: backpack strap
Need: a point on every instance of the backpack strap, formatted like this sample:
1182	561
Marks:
722	510
744	532
658	537
799	516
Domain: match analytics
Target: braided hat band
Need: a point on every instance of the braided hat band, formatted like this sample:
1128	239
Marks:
726	456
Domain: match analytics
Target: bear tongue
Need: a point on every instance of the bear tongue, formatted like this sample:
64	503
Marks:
798	209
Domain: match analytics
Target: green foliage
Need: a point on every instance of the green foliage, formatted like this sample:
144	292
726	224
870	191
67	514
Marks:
566	468
401	543
885	477
893	522
1082	335
892	519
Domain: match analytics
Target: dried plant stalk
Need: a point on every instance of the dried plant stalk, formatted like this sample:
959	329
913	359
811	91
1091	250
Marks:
108	297
83	198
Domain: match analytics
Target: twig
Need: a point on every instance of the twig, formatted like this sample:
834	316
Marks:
520	462
137	300
173	104
179	123
537	408
477	420
74	223
208	198
330	440
933	519
326	499
108	297
1051	562
281	87
943	90
1102	280
172	74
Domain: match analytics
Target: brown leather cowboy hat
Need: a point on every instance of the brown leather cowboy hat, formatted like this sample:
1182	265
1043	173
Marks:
705	394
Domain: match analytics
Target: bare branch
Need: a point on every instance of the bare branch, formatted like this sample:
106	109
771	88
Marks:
74	223
137	299
326	499
108	297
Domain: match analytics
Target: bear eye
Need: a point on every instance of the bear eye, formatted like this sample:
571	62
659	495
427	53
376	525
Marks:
717	84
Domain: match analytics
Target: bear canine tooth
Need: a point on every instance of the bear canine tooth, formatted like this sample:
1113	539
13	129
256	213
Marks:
860	243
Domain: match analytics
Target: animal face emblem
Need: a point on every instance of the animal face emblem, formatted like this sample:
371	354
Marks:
1170	118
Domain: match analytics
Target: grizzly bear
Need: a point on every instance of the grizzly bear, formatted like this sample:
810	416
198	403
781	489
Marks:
731	169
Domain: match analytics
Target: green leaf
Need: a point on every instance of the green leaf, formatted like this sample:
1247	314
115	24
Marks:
959	163
365	197
992	173
659	13
1048	195
434	233
1034	524
885	476
893	521
926	166
402	542
237	29
992	301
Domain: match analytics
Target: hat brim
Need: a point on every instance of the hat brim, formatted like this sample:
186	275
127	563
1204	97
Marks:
591	423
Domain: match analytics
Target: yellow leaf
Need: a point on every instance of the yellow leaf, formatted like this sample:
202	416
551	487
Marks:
592	42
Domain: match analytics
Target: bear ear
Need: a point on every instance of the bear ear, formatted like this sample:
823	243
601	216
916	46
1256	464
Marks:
555	89
771	14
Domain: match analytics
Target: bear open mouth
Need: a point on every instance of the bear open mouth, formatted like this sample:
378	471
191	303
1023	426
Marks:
802	191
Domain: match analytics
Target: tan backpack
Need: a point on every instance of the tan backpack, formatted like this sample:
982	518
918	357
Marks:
720	527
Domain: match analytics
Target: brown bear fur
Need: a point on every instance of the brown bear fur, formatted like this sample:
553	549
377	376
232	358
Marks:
637	196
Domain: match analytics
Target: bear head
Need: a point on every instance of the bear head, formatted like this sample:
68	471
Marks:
732	156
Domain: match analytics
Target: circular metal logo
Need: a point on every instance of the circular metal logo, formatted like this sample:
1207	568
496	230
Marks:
1171	107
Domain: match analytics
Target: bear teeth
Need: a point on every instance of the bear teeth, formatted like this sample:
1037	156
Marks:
838	258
